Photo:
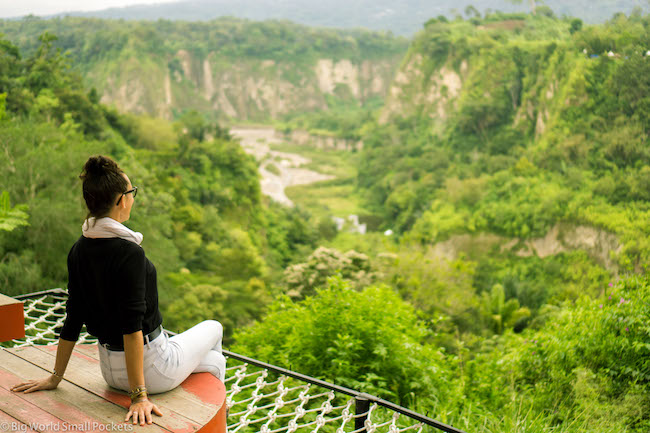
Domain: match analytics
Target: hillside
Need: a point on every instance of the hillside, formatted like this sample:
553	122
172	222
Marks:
519	141
404	17
230	69
526	94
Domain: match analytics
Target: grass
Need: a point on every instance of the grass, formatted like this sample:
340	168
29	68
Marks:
272	168
336	197
371	244
328	198
339	163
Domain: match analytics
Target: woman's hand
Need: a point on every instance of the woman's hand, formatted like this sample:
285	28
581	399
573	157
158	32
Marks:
141	410
50	382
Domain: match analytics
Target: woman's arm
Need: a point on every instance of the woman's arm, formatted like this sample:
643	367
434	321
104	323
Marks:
141	407
67	338
63	353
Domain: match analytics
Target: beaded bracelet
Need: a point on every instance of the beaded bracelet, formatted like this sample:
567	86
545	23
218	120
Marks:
60	376
138	392
138	396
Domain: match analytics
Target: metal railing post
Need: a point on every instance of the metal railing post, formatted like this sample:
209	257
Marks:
362	406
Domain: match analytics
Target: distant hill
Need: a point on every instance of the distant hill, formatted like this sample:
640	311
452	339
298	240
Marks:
403	17
229	67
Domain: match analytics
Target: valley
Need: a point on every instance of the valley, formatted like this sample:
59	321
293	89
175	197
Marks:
455	221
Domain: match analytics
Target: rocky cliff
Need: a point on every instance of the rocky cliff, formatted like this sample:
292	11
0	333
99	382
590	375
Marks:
480	79
243	90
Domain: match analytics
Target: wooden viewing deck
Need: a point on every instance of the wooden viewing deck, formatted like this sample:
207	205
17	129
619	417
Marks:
84	402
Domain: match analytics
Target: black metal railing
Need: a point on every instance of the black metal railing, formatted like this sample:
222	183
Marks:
362	399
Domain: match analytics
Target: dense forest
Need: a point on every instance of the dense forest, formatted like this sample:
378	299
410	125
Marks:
508	158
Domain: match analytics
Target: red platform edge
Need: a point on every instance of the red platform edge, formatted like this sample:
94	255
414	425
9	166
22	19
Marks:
203	385
211	390
12	319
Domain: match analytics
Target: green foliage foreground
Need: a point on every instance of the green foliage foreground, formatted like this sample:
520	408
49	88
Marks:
586	369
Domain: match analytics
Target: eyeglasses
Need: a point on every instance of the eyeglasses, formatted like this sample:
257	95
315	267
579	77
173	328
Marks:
134	191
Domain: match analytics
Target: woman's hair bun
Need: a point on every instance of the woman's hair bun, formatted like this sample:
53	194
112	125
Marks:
99	165
103	182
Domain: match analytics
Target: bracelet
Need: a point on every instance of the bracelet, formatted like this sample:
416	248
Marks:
60	376
138	392
142	396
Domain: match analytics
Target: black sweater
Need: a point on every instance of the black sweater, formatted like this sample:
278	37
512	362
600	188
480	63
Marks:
112	289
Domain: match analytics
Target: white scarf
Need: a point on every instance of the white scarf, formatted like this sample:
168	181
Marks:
109	228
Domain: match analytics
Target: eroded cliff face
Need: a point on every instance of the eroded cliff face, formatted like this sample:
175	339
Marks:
413	90
602	246
243	89
513	84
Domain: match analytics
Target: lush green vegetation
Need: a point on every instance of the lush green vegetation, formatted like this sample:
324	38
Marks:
346	118
11	218
586	369
540	133
89	40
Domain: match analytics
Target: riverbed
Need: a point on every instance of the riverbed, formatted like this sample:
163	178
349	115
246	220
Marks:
289	166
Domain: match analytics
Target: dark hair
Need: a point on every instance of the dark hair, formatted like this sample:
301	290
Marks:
103	181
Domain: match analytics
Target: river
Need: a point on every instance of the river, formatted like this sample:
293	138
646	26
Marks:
256	141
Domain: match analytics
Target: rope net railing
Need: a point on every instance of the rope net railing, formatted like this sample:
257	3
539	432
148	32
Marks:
262	401
44	315
260	397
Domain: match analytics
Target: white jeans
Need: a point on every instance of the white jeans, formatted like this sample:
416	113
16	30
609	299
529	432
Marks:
168	361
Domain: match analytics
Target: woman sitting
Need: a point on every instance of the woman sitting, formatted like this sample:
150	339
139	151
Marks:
112	289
